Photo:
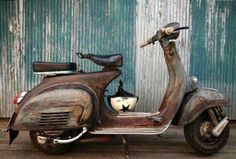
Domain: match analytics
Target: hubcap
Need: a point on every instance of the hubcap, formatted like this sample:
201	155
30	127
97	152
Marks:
205	129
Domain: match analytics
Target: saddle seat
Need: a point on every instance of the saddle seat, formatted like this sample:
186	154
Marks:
107	61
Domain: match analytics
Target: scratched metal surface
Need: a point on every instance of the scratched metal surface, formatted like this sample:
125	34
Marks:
55	30
151	71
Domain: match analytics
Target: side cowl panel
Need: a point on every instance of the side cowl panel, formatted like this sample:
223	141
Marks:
55	108
74	99
197	102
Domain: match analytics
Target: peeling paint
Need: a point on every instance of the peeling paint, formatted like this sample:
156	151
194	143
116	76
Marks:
1	91
223	16
151	72
55	30
213	47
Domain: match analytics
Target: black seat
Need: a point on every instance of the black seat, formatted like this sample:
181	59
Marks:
53	66
104	60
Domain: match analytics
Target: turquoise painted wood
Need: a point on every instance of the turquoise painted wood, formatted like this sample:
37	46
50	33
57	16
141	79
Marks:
213	47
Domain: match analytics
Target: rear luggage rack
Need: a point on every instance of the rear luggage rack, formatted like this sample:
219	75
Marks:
53	73
54	68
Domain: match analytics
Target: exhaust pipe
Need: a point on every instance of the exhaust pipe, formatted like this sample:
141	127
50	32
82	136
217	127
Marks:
217	130
66	141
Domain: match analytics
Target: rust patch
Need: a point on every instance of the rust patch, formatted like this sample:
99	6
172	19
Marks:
199	101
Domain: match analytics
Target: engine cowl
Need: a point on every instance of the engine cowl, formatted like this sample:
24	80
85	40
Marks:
55	109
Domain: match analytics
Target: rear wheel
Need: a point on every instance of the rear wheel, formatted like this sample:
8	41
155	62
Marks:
198	135
49	147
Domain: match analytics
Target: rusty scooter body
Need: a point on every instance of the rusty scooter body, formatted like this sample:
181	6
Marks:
68	105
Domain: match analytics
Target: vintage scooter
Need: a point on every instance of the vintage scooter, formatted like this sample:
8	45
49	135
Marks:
68	105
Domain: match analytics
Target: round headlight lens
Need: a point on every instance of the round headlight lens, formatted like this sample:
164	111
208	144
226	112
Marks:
195	80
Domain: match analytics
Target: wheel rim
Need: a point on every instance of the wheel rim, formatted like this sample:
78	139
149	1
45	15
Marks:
204	133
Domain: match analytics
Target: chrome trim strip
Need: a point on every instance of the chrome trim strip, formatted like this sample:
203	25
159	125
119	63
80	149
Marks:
51	73
137	131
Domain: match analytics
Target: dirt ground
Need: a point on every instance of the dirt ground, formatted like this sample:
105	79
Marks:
173	145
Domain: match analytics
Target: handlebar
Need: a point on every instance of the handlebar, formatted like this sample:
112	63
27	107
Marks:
163	32
144	44
82	56
168	30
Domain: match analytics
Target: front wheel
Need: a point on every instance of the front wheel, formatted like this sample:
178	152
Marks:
198	135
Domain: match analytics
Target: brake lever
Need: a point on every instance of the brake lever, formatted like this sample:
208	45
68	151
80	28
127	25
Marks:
160	34
81	55
181	28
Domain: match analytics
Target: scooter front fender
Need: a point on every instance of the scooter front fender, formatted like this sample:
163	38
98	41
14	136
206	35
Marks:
198	101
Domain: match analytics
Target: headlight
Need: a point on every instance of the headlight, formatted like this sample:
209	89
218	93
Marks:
195	80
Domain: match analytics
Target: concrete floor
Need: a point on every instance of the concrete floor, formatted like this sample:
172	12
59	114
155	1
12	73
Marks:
141	147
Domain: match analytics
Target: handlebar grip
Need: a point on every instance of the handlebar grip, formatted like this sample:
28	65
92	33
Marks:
168	30
143	44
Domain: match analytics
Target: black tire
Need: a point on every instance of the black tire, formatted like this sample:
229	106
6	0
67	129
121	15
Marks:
49	147
201	143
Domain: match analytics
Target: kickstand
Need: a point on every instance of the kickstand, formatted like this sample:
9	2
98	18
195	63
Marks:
126	148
